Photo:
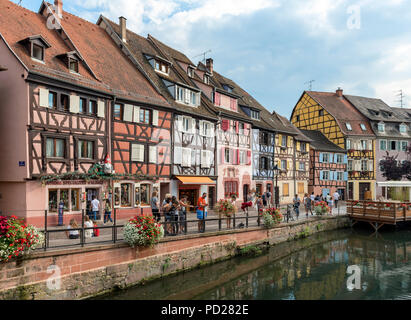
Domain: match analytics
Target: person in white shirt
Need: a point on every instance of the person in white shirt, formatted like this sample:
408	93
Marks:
88	224
336	197
95	207
312	197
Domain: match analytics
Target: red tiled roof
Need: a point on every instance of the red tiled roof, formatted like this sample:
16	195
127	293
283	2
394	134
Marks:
114	73
343	111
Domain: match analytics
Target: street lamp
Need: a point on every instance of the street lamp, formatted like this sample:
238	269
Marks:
277	193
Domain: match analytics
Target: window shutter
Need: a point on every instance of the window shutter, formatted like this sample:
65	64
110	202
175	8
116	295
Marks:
44	98
217	99
357	165
321	158
136	114
321	175
193	126
248	157
370	145
290	141
238	156
101	111
155	117
186	157
205	159
128	113
141	153
370	165
237	127
201	128
178	154
345	176
211	133
187	96
153	154
279	140
345	159
137	152
222	155
298	165
225	124
298	146
74	104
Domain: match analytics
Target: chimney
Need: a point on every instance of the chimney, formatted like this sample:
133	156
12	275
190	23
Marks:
123	29
58	4
339	92
209	65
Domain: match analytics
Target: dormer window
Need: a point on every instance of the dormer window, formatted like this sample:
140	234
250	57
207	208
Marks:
187	96
206	79
71	60
348	125
161	66
255	115
190	72
381	127
363	128
73	65
403	128
36	46
228	88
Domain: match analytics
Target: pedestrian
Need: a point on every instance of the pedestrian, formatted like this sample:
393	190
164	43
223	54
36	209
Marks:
260	206
184	205
228	220
95	207
202	212
329	202
88	224
61	211
165	208
268	195
317	198
73	234
264	199
305	203
312	197
107	212
155	206
296	205
174	213
336	197
308	205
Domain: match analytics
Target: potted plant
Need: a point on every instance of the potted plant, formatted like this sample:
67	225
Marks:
321	208
143	231
17	238
272	217
227	208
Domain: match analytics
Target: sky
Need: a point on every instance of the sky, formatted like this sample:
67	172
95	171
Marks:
273	48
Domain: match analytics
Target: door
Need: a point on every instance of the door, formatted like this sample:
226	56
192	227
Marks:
90	193
259	189
246	189
364	188
211	197
164	189
341	192
191	195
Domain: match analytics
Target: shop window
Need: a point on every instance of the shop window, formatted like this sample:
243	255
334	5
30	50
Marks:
137	198
145	194
70	198
75	199
126	195
53	198
117	195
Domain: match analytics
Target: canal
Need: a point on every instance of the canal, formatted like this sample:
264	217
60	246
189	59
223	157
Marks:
313	268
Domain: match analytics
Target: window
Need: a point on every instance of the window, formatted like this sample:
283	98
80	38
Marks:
53	200
350	165
206	79
64	197
52	100
227	155
364	165
320	112
383	145
180	94
363	128
393	145
381	127
230	187
349	144
145	116
142	195
326	175
126	194
55	148
190	72
38	52
340	176
284	141
326	157
161	66
298	118
364	145
284	164
82	106
303	147
64	102
193	98
264	138
286	190
340	158
300	188
186	124
404	145
302	166
243	157
264	163
348	125
255	115
92	107
85	149
69	197
241	129
118	112
227	88
403	128
73	65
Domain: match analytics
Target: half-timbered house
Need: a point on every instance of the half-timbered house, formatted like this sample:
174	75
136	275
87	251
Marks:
292	160
71	73
328	166
192	140
333	115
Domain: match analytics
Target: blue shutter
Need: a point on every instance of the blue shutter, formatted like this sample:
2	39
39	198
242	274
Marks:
321	175
335	157
321	157
345	176
345	159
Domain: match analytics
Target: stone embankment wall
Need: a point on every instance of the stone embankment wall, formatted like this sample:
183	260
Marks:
84	272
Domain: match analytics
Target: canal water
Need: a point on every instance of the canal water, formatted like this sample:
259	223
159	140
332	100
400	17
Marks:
332	265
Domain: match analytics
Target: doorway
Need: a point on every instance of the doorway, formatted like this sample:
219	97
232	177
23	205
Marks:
259	189
341	192
364	187
164	189
90	193
350	190
211	197
191	195
246	189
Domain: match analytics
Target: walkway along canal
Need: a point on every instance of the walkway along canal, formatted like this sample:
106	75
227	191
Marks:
81	272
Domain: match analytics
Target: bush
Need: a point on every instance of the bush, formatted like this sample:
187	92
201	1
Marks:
225	207
143	231
17	238
272	217
321	208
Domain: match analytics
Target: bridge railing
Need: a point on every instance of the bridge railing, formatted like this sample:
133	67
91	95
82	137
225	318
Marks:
378	211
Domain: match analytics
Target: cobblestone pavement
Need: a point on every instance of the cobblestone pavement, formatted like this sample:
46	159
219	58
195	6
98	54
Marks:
60	239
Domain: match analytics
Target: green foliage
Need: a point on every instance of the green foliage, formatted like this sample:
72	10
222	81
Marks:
250	251
303	234
166	264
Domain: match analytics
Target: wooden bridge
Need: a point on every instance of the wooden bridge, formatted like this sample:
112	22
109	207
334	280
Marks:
378	213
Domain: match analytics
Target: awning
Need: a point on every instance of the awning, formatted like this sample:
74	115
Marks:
394	184
196	180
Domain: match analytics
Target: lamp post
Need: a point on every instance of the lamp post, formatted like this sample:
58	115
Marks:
277	193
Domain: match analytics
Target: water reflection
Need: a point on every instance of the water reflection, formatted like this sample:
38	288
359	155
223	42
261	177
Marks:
309	269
